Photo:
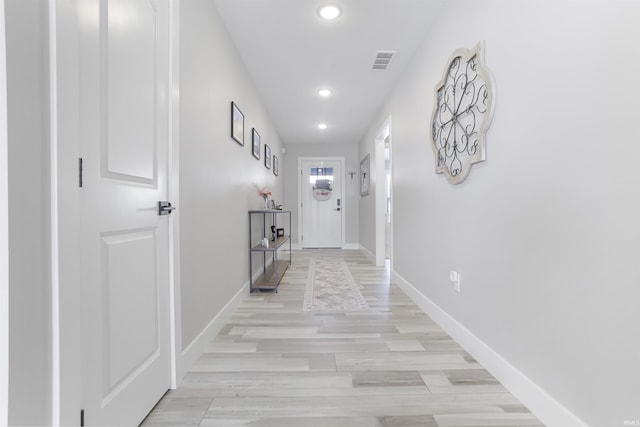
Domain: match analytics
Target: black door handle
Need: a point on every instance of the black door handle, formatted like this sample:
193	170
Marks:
165	208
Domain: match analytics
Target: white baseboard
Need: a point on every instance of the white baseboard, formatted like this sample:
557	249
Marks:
351	246
368	254
194	350
346	246
551	412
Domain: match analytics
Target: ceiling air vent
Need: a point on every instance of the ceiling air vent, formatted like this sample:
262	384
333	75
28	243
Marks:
383	59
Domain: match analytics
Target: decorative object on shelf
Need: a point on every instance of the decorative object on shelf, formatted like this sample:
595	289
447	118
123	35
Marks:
267	156
462	113
365	176
273	233
265	193
280	232
237	124
265	243
255	140
275	165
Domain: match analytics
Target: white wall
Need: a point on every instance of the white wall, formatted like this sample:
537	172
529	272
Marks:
352	192
218	177
545	233
4	232
28	176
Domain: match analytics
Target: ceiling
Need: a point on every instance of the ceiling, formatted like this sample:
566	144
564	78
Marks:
291	53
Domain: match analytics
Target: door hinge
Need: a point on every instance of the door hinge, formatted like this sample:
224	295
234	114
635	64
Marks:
80	172
81	417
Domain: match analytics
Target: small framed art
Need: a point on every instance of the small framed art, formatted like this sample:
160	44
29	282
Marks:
237	124
255	139
275	165
267	156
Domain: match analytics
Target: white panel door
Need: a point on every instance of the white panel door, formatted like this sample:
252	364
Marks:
124	53
322	203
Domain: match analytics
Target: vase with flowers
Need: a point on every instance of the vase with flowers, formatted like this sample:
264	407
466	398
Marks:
265	193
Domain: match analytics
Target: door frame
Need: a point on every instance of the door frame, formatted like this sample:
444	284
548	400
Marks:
66	303
343	202
380	193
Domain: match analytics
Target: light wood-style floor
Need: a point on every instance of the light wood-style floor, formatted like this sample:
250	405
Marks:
275	365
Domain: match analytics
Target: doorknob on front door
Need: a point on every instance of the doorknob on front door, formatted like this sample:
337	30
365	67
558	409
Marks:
165	208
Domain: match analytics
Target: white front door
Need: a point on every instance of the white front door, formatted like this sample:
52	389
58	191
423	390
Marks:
322	203
124	54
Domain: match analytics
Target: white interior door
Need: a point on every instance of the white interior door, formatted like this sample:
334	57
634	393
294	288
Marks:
322	203
124	46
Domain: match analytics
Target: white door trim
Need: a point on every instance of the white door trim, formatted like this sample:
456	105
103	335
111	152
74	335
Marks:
380	193
175	312
55	241
342	188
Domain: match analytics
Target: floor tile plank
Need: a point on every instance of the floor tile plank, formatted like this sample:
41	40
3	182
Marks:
274	364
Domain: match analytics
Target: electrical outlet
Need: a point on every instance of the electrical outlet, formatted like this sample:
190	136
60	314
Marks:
454	277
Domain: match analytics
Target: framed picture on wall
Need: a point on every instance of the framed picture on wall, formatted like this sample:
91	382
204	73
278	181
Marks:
275	165
365	176
237	124
255	139
267	156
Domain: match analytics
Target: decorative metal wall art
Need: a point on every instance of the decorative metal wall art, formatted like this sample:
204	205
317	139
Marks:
462	113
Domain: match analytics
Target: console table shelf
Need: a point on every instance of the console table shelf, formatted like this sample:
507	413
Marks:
272	268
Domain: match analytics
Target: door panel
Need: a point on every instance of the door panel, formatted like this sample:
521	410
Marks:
130	262
124	62
322	204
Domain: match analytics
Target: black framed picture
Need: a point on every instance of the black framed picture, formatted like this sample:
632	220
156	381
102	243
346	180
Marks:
267	156
275	165
255	138
237	124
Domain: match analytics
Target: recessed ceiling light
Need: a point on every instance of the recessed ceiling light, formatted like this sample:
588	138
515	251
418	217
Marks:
329	11
324	92
322	126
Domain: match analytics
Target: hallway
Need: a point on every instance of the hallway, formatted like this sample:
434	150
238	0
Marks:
274	364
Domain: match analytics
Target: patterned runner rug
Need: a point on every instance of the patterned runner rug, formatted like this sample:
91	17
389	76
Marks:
330	286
